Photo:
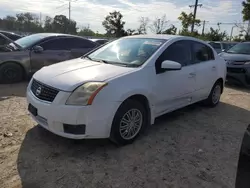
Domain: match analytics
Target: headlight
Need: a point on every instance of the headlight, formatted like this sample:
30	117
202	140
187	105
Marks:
85	94
247	63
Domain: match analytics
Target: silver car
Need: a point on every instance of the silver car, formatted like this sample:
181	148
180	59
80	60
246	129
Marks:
221	46
26	55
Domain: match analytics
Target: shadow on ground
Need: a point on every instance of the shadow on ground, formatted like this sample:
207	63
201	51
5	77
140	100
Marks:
192	147
9	90
238	87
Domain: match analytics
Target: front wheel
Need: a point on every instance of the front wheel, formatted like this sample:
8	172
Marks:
128	122
214	96
10	73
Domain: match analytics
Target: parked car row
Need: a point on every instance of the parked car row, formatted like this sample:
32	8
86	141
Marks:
238	63
25	56
221	46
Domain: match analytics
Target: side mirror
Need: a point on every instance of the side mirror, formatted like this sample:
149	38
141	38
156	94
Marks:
37	49
170	65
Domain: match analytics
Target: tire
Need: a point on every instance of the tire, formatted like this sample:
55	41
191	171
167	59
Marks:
214	96
119	133
11	73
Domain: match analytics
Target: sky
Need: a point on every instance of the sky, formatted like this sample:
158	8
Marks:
92	12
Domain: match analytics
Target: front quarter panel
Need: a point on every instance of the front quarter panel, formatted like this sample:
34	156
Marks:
121	88
20	57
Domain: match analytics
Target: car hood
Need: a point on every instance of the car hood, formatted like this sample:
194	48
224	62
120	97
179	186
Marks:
70	74
235	57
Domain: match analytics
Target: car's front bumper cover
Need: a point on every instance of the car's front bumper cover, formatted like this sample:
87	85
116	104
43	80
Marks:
76	122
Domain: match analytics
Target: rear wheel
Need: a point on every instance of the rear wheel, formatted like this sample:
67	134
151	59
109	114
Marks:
10	73
128	122
214	96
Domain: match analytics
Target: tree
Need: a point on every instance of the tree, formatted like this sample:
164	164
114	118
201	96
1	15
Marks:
114	25
246	17
246	10
187	20
61	24
130	32
144	21
215	35
86	32
159	25
28	22
48	24
170	31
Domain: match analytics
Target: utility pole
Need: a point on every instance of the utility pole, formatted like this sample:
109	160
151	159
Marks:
203	28
40	18
69	9
195	10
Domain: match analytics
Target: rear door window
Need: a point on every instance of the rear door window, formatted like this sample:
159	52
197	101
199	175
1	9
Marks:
55	44
201	52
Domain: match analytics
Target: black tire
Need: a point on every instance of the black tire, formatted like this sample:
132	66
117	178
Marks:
115	135
210	101
11	73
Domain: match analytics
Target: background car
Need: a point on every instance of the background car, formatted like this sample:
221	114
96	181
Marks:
11	35
3	41
238	63
100	41
221	46
28	54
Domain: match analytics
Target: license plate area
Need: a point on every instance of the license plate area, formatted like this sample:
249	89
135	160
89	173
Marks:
32	110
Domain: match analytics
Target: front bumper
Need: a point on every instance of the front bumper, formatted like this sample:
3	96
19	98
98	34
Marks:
95	119
238	75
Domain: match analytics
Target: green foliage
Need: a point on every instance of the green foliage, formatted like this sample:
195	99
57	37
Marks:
27	22
86	32
170	31
246	10
215	35
114	25
187	20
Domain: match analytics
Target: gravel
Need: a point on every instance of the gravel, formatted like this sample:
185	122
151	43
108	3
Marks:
192	147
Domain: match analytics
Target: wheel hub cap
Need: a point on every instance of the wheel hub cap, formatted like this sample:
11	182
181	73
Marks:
130	124
216	94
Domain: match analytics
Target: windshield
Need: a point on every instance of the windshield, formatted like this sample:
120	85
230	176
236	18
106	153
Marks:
127	51
241	48
28	41
227	46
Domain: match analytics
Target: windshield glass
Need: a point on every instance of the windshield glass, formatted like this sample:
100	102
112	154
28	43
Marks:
127	51
26	42
227	46
241	48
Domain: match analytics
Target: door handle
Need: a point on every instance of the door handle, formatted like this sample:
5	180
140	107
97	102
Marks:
192	74
213	67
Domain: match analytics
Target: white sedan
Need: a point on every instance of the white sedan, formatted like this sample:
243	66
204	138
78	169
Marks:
119	89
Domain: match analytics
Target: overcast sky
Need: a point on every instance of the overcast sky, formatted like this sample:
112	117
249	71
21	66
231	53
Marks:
92	12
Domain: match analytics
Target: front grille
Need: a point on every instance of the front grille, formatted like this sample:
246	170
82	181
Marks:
43	92
235	70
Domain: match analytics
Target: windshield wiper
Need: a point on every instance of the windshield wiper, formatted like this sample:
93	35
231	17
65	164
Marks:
96	60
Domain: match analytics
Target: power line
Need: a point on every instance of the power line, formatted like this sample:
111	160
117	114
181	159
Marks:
195	10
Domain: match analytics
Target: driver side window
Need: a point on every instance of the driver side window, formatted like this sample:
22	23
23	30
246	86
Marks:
179	51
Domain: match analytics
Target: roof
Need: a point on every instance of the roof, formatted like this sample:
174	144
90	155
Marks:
156	36
98	39
52	34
